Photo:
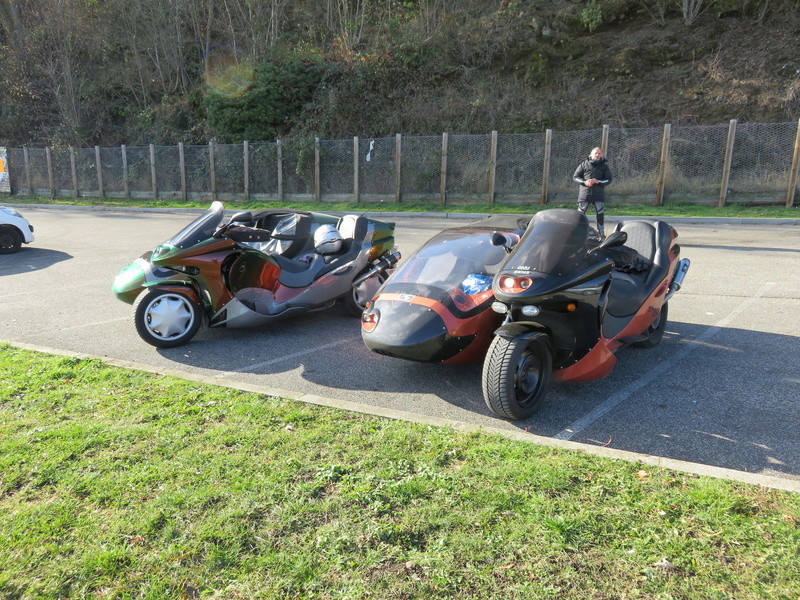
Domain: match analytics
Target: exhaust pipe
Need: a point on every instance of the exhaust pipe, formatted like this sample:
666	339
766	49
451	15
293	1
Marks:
387	261
680	274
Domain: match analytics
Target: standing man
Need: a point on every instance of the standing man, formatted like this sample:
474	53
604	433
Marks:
593	175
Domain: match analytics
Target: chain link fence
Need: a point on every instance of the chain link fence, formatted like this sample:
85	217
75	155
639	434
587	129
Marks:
716	164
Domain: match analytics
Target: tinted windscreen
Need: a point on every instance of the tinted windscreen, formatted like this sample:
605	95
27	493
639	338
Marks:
200	229
554	243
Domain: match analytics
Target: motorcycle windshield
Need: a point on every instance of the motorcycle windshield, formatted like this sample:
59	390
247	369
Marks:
554	244
454	268
200	229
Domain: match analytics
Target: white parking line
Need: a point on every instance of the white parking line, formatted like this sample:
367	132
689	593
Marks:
607	406
283	358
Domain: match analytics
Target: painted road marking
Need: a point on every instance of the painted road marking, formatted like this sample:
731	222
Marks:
279	359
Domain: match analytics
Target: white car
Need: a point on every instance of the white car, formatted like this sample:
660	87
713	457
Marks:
14	229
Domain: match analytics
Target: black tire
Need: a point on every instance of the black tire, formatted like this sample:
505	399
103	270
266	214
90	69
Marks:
516	375
355	302
167	319
656	330
10	239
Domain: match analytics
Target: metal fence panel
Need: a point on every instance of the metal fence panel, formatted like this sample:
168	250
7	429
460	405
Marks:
139	178
376	167
16	169
520	160
168	171
86	169
198	169
696	156
762	159
421	165
633	157
62	170
298	167
336	167
468	165
113	175
264	168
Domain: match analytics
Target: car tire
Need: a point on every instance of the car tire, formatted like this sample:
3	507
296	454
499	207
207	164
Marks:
10	239
167	319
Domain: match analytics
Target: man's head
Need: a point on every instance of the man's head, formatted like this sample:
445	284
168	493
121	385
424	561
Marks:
596	154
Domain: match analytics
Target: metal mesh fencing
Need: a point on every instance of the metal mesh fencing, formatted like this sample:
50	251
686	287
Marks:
520	164
468	158
761	158
420	169
376	168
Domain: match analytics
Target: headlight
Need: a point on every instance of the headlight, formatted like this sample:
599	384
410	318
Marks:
530	310
499	307
515	285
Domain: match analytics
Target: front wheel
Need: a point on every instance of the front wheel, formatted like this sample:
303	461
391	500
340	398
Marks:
655	332
516	375
167	319
356	301
10	240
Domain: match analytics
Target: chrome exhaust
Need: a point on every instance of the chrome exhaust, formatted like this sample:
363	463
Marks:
385	262
680	274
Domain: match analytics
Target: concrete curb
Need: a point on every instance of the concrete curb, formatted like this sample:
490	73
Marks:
767	481
436	215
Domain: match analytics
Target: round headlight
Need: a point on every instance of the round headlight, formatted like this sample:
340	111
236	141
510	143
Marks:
530	310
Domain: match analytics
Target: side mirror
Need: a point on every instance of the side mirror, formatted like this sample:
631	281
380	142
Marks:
501	239
241	217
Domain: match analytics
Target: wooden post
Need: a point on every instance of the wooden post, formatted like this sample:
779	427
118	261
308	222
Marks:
100	187
548	144
49	157
604	140
279	148
726	167
246	168
793	173
74	171
153	171
182	161
317	182
125	182
356	194
212	166
27	169
662	165
398	156
492	165
443	171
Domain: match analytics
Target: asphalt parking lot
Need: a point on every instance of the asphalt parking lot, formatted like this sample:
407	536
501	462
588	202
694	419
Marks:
721	389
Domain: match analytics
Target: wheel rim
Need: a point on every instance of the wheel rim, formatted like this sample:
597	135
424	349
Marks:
365	291
528	377
6	240
169	316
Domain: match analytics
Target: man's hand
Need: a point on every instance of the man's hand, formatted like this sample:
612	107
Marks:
591	182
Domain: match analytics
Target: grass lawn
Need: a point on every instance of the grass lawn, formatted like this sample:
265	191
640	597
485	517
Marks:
121	484
673	209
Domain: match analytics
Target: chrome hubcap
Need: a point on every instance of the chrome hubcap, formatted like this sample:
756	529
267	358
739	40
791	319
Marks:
169	316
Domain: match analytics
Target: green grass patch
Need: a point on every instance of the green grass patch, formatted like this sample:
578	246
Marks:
124	485
675	208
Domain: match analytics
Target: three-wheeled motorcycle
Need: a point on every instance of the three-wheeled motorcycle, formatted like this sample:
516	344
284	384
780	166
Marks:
255	268
568	307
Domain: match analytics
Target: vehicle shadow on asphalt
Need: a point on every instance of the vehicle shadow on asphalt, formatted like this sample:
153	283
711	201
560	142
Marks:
30	259
731	403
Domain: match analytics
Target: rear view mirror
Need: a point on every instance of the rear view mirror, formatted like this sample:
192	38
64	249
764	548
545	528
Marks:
618	238
241	217
501	239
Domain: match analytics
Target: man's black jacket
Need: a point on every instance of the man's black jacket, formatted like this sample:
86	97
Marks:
592	169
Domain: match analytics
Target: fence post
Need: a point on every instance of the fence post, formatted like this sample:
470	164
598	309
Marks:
548	144
125	183
246	168
153	171
662	165
793	173
279	148
100	187
50	172
317	182
726	167
492	165
356	193
74	171
212	165
443	171
182	166
27	169
604	140
398	156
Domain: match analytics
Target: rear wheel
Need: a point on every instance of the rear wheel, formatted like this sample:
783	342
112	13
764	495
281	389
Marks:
356	301
10	239
167	319
655	332
516	375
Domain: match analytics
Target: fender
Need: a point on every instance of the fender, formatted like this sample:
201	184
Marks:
177	287
525	330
